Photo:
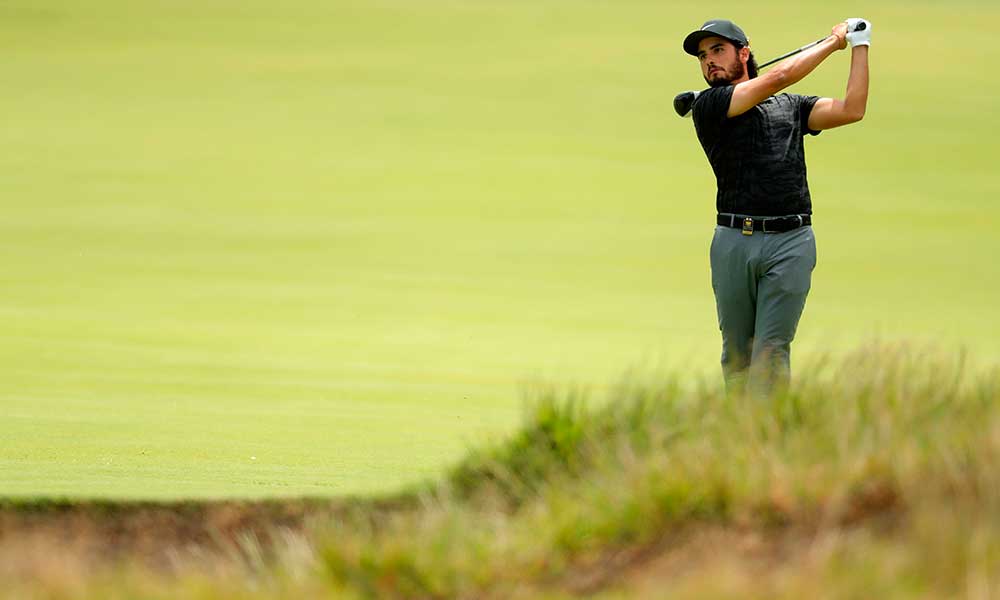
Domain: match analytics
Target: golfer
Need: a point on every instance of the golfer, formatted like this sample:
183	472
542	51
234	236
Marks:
763	251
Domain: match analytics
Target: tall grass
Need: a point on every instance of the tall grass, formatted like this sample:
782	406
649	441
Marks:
885	429
880	468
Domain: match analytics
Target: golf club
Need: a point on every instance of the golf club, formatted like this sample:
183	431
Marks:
685	100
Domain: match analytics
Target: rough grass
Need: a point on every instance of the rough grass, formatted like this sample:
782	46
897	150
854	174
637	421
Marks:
875	474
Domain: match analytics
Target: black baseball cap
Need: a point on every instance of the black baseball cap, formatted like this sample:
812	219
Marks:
715	28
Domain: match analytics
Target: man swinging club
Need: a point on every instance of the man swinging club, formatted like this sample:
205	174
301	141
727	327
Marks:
763	251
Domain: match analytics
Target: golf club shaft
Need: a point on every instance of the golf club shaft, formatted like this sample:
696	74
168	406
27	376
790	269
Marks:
787	54
684	100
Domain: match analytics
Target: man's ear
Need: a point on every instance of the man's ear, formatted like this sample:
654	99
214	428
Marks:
744	54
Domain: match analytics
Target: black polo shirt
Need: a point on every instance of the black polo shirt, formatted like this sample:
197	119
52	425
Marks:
758	157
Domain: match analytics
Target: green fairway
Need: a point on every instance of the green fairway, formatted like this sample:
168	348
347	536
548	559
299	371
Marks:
256	248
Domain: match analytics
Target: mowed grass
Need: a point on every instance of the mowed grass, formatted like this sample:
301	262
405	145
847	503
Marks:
254	249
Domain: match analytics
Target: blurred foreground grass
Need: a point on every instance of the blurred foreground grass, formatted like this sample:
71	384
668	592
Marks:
874	477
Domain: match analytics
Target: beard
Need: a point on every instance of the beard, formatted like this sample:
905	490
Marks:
727	76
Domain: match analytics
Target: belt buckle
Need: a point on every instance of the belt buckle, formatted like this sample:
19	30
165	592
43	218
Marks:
747	226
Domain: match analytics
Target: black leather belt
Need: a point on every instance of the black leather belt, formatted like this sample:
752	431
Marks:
765	224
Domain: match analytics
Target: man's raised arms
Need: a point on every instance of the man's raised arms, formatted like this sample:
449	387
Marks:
828	113
749	93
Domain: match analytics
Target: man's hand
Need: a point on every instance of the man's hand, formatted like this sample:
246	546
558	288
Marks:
859	32
840	31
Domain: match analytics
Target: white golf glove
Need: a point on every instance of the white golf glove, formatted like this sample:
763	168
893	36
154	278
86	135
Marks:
859	32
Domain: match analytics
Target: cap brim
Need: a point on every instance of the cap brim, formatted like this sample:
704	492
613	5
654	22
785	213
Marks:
694	38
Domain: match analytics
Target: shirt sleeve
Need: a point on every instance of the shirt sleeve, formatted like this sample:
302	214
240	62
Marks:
806	104
710	110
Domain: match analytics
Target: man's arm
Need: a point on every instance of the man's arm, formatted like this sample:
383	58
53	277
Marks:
828	113
748	94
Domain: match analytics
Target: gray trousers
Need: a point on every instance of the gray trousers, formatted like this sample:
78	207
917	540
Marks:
760	282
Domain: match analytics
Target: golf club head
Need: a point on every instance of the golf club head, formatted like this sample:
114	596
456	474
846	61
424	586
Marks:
683	103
